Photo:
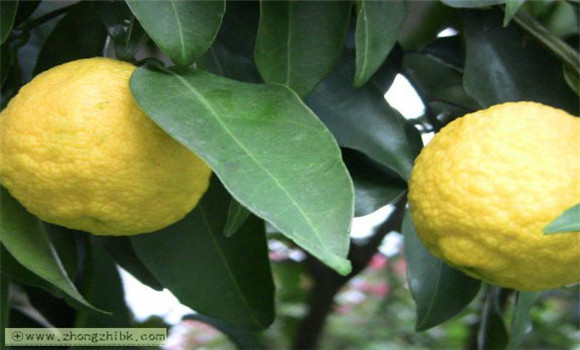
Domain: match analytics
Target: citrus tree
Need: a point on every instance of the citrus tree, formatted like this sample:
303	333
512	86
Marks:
213	128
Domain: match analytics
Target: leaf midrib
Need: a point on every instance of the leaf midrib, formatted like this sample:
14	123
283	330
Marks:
208	106
180	29
227	266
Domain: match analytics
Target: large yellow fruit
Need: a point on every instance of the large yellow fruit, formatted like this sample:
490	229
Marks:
77	151
483	190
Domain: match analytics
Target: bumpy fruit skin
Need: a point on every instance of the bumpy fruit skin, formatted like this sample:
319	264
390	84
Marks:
482	191
77	151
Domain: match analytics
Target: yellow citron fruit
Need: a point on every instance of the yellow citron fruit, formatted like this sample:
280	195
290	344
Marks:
482	191
77	151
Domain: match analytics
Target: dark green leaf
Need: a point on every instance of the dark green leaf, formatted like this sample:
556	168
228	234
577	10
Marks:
122	252
184	30
7	16
23	235
299	42
472	3
221	61
123	28
426	19
103	287
4	301
19	302
387	72
12	268
378	26
492	331
240	27
511	8
272	153
440	292
66	243
374	185
237	215
244	338
568	221
437	80
80	34
362	119
225	278
25	9
520	323
504	64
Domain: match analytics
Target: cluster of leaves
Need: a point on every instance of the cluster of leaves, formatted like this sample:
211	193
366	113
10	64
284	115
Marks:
284	101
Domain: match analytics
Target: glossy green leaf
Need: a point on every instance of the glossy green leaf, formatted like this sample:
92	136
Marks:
237	215
520	322
426	19
472	3
378	25
225	278
244	338
299	42
125	31
271	152
511	8
121	251
79	34
7	16
440	292
492	331
15	270
362	119
374	185
103	287
23	235
184	30
436	72
568	221
504	64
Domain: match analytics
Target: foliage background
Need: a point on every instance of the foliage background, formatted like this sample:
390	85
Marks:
502	51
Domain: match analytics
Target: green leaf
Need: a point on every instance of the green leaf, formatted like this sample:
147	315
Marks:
240	27
299	42
511	8
440	292
568	221
7	16
504	64
244	338
271	152
378	26
103	287
492	331
12	268
237	215
80	34
472	3
66	243
121	251
225	278
222	61
184	30
520	323
125	31
362	119
24	236
374	185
